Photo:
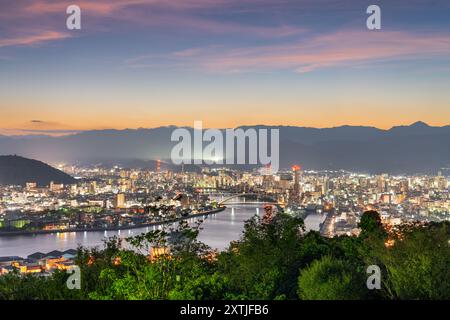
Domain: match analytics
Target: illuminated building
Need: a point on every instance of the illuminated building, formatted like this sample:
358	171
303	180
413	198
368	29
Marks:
120	200
54	187
385	198
93	187
296	189
158	166
31	186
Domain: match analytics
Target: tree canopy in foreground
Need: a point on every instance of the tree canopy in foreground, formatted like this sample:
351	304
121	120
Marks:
274	259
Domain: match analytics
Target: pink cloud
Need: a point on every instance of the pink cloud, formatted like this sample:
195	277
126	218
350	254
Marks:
337	49
171	14
108	6
181	15
34	39
98	7
230	28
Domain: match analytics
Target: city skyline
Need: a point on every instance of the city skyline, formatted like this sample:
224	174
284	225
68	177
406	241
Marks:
141	63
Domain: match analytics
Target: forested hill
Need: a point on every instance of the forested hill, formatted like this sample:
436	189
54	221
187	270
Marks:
15	170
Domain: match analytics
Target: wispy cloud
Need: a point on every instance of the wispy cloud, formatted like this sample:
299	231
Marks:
33	39
109	6
182	15
343	48
36	132
40	127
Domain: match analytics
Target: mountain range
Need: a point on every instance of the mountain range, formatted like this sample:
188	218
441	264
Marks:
417	148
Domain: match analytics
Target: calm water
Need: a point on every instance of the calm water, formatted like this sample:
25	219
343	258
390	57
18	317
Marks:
218	230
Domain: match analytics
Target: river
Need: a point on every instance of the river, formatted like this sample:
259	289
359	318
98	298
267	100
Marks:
218	230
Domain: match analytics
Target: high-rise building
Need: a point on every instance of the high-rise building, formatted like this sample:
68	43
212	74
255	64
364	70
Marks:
93	187
296	170
325	186
120	200
158	166
382	183
295	197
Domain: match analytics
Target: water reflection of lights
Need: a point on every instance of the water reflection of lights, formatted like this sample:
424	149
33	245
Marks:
72	235
61	236
232	222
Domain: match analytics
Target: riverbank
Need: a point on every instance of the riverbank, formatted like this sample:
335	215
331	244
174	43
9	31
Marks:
33	232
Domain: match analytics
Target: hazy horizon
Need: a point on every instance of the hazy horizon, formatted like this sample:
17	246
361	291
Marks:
37	133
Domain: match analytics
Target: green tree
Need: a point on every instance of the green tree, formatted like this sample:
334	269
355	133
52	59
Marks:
14	286
264	263
370	223
170	275
418	264
201	286
331	279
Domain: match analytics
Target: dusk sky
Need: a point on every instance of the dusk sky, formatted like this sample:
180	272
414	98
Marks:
150	63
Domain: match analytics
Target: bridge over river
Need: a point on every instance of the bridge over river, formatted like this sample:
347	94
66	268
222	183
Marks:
218	230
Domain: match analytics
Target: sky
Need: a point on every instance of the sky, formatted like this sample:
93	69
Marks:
150	63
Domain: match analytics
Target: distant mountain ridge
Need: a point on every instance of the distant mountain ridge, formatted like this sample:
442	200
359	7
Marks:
15	170
417	148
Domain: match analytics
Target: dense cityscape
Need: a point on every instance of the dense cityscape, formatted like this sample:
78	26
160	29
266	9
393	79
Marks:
122	198
114	198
